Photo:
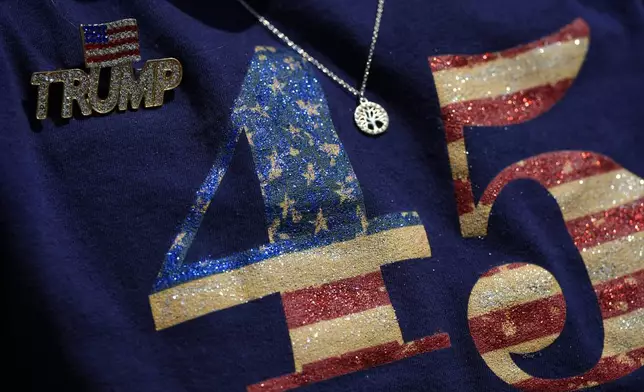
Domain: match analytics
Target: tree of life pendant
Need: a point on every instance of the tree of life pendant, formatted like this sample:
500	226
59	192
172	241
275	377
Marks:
371	118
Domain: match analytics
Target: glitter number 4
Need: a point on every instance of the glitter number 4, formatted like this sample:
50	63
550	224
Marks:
323	254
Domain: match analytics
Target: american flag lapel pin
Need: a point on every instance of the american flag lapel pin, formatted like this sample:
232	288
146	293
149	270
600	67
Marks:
112	45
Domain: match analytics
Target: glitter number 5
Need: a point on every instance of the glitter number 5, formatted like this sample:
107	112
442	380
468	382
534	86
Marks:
601	203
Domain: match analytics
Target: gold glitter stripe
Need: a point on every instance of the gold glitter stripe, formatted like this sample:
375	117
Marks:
622	334
538	67
614	259
597	193
331	338
604	262
501	364
458	160
475	223
288	272
511	287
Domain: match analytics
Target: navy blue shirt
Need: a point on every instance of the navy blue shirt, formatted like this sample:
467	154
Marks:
246	236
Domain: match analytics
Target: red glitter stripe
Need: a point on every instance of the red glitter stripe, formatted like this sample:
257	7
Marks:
503	110
352	362
112	56
551	169
116	42
621	295
116	30
577	29
517	324
616	297
606	370
464	196
334	300
503	268
608	225
453	129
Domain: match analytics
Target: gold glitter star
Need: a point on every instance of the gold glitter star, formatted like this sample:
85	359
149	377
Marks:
294	151
311	108
294	130
276	170
331	150
179	239
310	174
598	222
296	215
363	218
344	193
202	205
621	305
630	281
276	86
285	205
308	136
320	222
272	229
508	328
264	48
293	65
258	109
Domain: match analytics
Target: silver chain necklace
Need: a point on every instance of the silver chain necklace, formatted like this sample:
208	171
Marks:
370	117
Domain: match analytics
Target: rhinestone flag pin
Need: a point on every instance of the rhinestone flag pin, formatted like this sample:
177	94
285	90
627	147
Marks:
112	45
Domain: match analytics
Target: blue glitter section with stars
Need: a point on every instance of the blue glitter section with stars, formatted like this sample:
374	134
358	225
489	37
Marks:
312	196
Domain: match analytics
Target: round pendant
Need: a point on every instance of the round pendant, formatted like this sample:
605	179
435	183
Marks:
371	118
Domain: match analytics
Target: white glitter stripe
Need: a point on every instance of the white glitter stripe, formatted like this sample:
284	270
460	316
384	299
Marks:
111	63
121	23
123	35
112	50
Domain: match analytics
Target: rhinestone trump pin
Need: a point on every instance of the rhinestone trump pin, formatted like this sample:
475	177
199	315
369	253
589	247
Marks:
112	45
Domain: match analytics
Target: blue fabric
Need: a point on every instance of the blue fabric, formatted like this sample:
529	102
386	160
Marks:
90	205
